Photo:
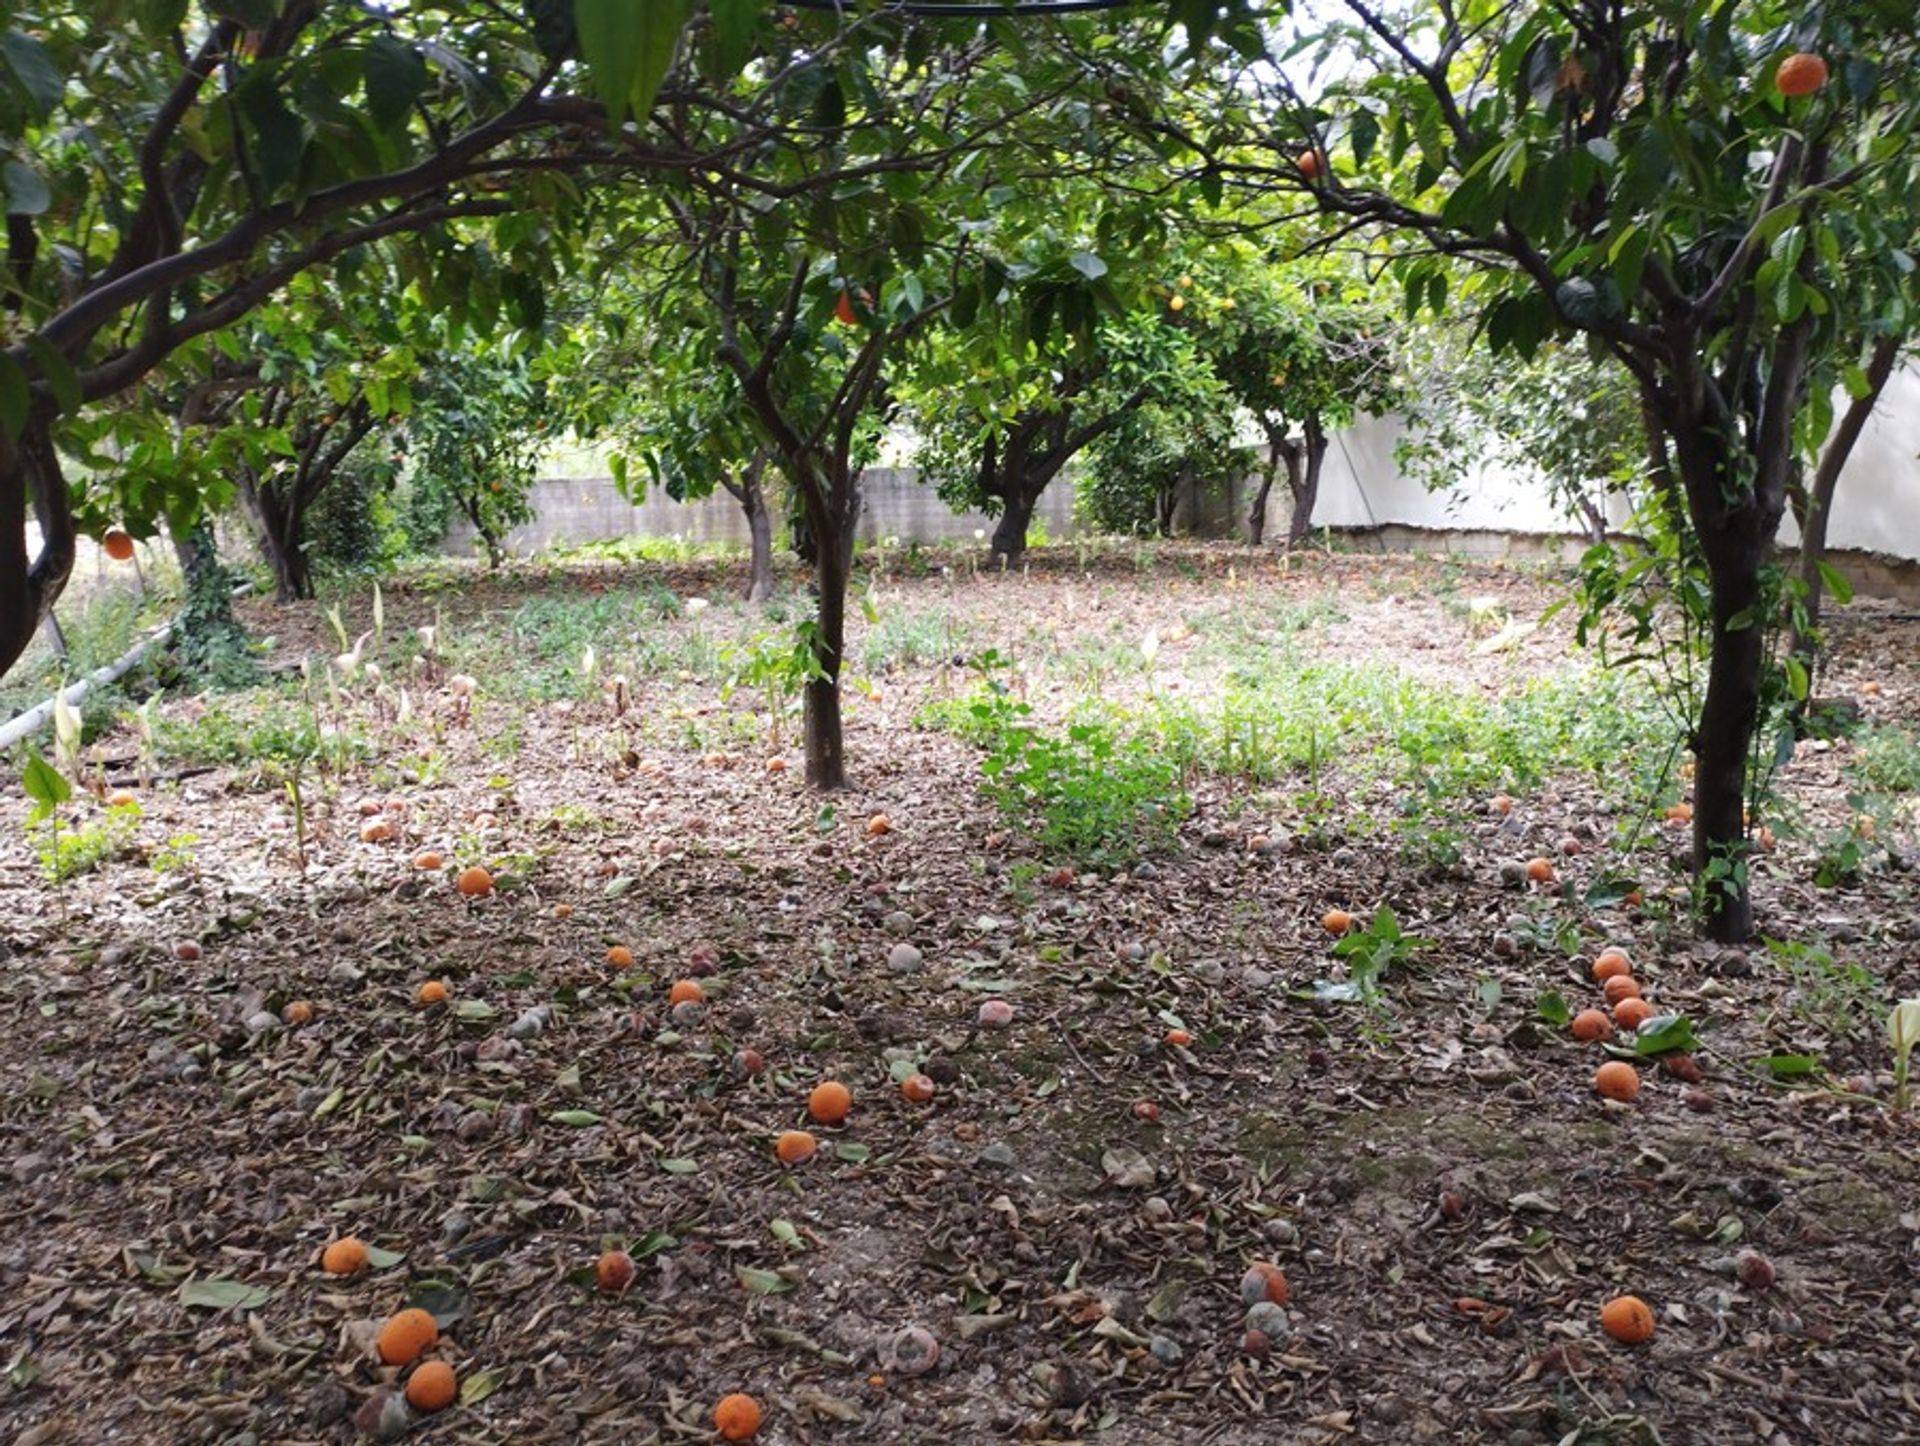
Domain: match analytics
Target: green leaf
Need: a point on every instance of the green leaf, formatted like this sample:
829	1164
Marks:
396	76
1664	1032
33	69
762	1282
787	1233
27	193
628	45
680	1167
1836	581
44	784
383	1259
478	1386
1554	1009
62	380
733	25
1088	265
1791	1066
852	1154
474	1011
217	1293
578	1119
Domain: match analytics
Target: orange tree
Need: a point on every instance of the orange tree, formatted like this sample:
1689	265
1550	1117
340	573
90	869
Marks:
1305	346
886	197
1721	196
170	167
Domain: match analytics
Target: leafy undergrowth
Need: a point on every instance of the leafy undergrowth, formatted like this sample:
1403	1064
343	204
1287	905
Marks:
1071	1215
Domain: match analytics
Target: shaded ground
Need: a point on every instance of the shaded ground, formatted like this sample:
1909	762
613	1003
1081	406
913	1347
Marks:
1450	1201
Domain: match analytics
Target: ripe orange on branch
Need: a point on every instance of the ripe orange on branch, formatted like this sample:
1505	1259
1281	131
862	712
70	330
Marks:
117	544
1800	74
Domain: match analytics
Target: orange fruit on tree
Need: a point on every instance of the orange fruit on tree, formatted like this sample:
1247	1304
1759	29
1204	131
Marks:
843	311
1632	1012
406	1336
1336	921
432	992
795	1147
1617	1080
620	957
1627	1319
474	881
427	860
431	1387
1176	302
1611	962
1311	165
117	544
1621	986
1591	1025
345	1256
830	1103
737	1417
917	1088
1800	74
686	991
1540	871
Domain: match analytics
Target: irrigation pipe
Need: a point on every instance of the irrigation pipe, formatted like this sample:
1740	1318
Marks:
23	726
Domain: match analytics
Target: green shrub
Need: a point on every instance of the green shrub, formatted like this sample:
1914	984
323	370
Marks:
1084	792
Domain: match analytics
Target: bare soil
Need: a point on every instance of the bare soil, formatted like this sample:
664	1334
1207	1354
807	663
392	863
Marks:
1450	1201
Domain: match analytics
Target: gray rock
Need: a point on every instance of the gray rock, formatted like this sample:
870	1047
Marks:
903	958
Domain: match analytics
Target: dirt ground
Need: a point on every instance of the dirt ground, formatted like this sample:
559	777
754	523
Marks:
1450	1201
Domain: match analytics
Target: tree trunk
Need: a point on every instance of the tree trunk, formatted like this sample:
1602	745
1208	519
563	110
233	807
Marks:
1016	518
826	743
1303	480
800	537
760	531
1735	503
1729	715
1818	510
30	475
278	526
750	492
1257	513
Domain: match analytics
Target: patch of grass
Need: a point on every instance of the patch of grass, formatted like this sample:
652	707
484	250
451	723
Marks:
542	655
1439	745
634	548
1887	758
1838	999
906	638
1084	792
66	851
268	729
